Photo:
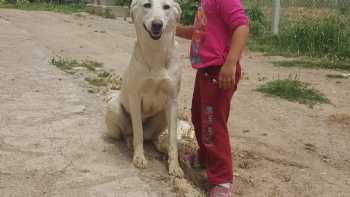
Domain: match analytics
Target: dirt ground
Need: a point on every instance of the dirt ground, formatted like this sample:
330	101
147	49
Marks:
51	128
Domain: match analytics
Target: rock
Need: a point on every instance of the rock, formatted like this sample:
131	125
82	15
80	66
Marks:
246	131
78	109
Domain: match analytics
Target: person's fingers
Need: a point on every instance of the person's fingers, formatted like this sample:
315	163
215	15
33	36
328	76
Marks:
227	83
221	81
232	82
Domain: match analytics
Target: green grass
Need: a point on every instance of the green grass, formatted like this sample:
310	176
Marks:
319	37
90	65
293	90
326	36
68	65
324	64
54	7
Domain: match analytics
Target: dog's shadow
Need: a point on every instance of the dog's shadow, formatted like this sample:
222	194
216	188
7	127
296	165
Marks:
151	153
156	171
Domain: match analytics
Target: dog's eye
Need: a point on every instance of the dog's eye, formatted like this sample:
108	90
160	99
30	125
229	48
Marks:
147	5
166	7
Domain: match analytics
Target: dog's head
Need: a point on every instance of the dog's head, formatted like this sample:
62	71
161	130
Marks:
155	16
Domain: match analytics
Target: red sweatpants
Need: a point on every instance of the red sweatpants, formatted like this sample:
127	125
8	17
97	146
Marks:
210	112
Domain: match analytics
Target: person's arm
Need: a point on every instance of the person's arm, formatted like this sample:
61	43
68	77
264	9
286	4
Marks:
184	31
228	70
232	13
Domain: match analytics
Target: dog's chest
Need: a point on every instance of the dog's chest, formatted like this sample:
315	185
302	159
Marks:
154	96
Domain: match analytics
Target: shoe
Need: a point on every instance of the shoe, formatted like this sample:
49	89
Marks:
219	191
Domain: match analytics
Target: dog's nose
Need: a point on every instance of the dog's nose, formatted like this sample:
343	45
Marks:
157	25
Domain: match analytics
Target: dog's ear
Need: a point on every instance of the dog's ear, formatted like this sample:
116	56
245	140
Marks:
177	10
132	8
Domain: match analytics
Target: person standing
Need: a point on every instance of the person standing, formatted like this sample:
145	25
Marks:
218	35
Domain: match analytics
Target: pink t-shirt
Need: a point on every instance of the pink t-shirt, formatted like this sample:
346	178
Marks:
213	28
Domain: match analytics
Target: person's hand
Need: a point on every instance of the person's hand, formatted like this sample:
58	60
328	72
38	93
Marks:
227	75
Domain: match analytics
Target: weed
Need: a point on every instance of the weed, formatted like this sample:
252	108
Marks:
91	65
257	21
321	36
68	65
104	74
293	90
122	2
108	13
97	81
63	64
336	76
42	6
324	64
189	8
344	7
328	36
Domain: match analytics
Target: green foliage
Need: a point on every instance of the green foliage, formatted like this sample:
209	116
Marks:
54	7
320	37
69	65
328	36
108	13
323	63
4	2
293	90
257	21
189	8
344	6
122	2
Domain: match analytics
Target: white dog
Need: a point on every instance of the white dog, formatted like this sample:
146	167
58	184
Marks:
147	104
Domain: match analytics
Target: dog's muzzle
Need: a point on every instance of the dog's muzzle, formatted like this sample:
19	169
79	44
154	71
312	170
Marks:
156	29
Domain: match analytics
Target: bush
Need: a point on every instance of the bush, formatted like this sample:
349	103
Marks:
108	13
189	8
122	2
54	7
8	1
257	21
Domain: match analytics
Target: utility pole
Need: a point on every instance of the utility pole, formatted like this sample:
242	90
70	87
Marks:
276	8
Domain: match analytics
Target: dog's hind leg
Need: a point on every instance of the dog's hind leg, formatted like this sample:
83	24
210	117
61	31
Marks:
118	122
154	129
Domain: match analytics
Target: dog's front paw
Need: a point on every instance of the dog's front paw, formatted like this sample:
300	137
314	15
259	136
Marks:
139	161
175	170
